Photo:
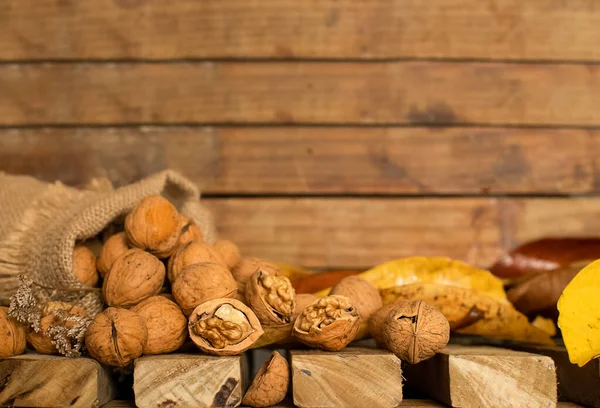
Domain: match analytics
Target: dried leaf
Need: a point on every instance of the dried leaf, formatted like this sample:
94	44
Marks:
498	318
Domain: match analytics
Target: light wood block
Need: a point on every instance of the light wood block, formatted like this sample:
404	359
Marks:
471	377
353	377
34	380
189	380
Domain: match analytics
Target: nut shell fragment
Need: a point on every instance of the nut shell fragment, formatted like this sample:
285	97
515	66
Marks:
271	297
116	337
12	340
270	384
112	249
224	327
135	276
330	323
154	225
166	324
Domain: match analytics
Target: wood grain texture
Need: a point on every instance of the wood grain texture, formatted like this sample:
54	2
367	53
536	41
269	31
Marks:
321	160
34	380
485	376
186	380
353	377
105	29
407	92
360	233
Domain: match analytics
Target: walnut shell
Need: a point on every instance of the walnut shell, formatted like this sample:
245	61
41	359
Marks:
271	298
377	322
135	276
189	232
192	253
201	282
270	384
330	323
70	308
113	248
116	337
224	327
363	295
39	340
229	252
414	331
84	265
154	225
12	340
166	324
246	268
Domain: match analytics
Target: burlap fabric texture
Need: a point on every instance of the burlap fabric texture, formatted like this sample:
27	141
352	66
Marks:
40	223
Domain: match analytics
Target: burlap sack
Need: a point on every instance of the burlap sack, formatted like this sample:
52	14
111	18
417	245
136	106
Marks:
40	224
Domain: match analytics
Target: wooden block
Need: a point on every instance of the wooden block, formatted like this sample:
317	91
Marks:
466	377
189	380
353	377
504	29
397	92
34	380
577	384
321	160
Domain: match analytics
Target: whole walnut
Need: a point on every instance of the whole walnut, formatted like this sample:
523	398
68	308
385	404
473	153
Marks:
246	268
270	384
330	323
116	337
113	248
271	297
12	340
229	252
166	324
224	327
192	253
377	322
154	225
363	295
84	265
201	282
414	331
189	232
135	276
40	341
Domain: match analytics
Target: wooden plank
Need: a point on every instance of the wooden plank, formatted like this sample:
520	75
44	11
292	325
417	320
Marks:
296	160
353	377
184	380
362	232
408	92
577	384
34	380
105	29
485	376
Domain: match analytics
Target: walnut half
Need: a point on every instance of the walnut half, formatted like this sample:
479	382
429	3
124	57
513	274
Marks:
224	327
271	297
329	323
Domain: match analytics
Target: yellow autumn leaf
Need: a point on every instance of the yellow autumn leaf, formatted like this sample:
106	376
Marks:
292	271
579	315
545	324
472	312
438	270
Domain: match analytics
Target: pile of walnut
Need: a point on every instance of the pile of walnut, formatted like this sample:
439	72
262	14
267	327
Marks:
162	282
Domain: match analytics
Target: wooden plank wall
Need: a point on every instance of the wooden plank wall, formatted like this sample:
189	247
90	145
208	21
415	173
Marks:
331	133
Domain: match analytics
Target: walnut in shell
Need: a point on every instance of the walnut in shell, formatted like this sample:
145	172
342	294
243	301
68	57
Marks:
201	282
224	327
116	337
271	297
229	252
189	232
166	324
12	340
84	265
246	268
363	295
192	253
377	322
414	331
329	323
113	248
154	225
40	341
270	384
135	276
